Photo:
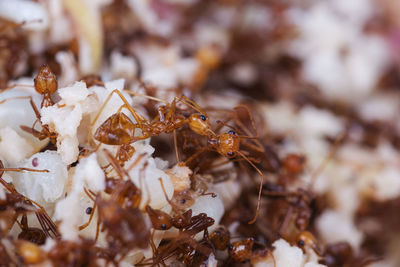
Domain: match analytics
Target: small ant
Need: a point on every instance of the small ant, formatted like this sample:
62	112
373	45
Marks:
228	145
119	214
45	84
334	255
118	129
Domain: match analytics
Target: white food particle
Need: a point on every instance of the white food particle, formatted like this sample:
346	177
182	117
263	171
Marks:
212	206
13	147
43	187
287	255
180	177
19	11
335	227
72	95
88	174
66	212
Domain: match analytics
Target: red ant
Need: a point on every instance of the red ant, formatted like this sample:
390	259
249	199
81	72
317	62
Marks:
228	145
118	129
45	84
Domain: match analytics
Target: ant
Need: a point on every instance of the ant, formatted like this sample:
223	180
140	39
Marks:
188	227
185	222
20	203
119	214
45	84
118	129
228	145
334	255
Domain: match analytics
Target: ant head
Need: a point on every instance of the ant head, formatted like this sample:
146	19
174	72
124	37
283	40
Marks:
241	251
45	81
199	123
159	219
306	240
228	144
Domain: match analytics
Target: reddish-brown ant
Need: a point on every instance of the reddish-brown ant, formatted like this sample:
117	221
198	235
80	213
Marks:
118	129
46	85
119	214
32	234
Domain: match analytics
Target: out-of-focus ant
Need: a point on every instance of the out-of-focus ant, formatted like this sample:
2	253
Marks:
119	214
333	255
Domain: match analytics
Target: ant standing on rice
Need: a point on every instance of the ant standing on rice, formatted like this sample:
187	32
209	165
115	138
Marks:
45	84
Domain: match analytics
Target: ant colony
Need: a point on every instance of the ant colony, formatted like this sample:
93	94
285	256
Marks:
193	133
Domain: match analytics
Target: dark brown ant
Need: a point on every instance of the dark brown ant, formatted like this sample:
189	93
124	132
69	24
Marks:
119	213
31	234
334	255
220	238
185	222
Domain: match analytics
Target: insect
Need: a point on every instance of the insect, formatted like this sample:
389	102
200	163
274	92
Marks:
45	84
333	255
118	129
228	145
119	213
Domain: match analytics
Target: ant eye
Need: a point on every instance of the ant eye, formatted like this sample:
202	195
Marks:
202	117
163	226
232	132
230	154
301	243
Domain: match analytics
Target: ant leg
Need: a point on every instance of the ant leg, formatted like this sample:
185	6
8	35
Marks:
120	171
21	170
250	117
285	222
328	157
260	188
176	148
245	129
13	86
90	218
97	227
146	96
14	98
195	155
191	104
166	197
